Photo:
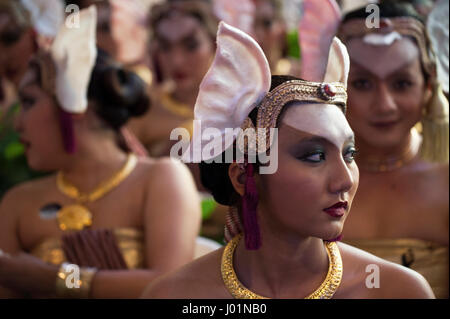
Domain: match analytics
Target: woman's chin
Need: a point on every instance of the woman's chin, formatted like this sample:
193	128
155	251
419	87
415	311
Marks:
39	165
335	234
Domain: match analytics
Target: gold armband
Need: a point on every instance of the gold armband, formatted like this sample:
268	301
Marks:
73	281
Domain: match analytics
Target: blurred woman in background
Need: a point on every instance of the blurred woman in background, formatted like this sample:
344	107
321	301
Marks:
122	220
25	26
183	43
401	211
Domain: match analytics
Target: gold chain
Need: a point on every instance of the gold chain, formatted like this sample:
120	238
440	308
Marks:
70	190
325	291
77	216
392	163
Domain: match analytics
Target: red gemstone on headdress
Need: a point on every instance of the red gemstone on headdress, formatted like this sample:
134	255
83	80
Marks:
329	90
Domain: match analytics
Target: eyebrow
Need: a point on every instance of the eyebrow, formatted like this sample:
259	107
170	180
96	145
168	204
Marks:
362	69
312	138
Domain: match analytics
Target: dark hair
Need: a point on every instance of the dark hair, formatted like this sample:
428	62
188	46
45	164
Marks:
80	3
20	21
214	176
117	93
388	9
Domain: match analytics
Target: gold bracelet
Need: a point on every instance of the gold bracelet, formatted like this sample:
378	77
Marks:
73	282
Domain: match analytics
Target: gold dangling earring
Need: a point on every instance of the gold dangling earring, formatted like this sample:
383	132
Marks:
233	226
435	128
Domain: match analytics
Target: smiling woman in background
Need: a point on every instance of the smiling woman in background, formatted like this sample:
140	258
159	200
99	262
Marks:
400	212
183	36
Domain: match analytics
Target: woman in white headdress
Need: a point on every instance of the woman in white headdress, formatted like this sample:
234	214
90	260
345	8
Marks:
291	206
25	25
112	219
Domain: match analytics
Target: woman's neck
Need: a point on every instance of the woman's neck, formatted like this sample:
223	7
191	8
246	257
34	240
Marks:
187	97
282	268
93	163
381	159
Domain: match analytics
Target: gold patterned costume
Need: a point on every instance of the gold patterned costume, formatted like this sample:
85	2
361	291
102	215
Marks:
427	258
130	243
119	248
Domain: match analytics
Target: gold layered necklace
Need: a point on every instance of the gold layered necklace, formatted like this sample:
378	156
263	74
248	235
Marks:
77	216
325	291
389	164
394	162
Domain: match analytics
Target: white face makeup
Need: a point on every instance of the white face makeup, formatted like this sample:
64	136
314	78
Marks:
382	60
177	27
322	120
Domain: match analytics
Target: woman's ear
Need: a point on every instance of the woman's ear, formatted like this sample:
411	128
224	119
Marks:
236	172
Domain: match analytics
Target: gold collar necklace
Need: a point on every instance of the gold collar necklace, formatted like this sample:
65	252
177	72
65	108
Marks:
77	216
325	291
394	162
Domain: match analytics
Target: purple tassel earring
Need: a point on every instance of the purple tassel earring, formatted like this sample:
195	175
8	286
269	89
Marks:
249	213
67	131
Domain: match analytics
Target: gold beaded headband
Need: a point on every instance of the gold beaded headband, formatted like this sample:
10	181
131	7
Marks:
239	80
290	91
406	26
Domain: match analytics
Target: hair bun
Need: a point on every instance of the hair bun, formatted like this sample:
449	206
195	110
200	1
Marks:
119	93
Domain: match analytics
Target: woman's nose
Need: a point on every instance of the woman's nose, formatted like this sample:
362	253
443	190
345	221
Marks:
341	179
385	102
177	58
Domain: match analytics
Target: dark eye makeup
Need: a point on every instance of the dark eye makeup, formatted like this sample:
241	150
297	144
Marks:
316	153
362	84
26	100
191	43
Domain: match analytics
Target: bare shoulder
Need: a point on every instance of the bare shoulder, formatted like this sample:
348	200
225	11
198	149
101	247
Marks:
435	172
168	172
368	276
442	171
163	167
21	193
200	279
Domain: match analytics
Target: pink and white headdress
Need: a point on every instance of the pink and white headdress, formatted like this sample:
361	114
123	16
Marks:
66	69
239	80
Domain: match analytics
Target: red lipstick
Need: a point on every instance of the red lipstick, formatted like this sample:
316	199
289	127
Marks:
337	210
384	124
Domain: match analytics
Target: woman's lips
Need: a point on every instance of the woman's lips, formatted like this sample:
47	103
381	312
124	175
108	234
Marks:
179	76
384	124
337	210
